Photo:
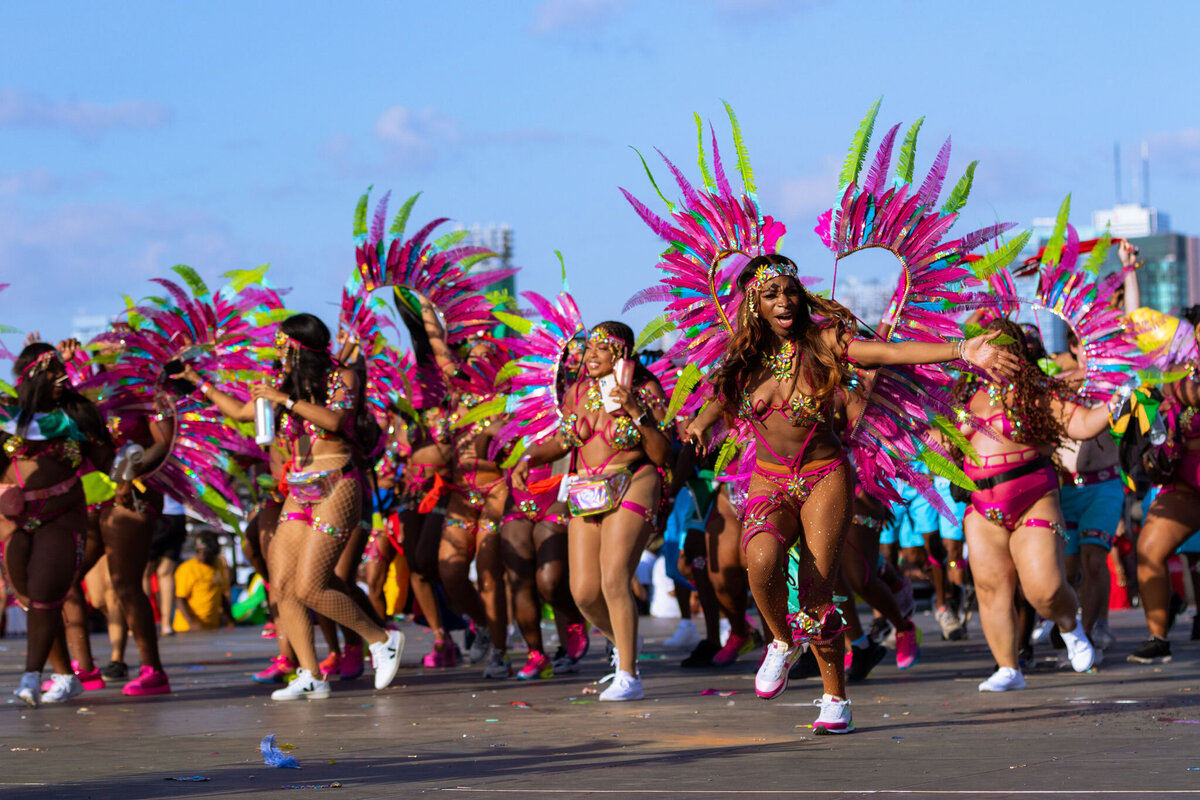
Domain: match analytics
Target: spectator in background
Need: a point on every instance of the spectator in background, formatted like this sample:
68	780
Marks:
202	588
166	551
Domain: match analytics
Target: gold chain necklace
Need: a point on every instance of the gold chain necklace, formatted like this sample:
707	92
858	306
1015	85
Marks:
780	363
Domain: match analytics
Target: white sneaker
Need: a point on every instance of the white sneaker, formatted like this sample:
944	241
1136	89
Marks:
480	647
1079	650
624	687
723	627
30	691
1102	635
835	716
62	688
1003	680
772	677
303	685
386	657
1042	634
685	636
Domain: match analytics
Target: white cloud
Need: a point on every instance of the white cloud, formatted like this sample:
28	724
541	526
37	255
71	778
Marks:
42	181
1180	150
552	16
415	133
85	119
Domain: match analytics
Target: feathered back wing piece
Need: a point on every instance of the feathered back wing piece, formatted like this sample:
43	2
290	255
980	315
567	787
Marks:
5	353
440	269
222	336
890	437
540	352
711	232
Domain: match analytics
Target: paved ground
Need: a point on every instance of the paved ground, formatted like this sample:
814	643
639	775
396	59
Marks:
1125	731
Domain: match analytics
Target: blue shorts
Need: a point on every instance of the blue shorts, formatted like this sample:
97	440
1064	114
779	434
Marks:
1092	513
949	529
912	518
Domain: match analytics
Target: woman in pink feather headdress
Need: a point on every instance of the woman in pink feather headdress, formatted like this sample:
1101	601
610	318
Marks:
612	426
779	374
316	398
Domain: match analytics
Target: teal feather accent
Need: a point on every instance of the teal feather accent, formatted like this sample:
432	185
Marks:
657	327
908	153
1054	247
962	190
654	183
191	278
743	157
1099	253
1000	258
709	183
401	219
858	147
684	386
360	213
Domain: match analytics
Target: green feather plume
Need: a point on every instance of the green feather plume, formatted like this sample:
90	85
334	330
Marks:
955	437
241	278
908	153
962	190
508	371
472	260
563	266
492	408
709	183
1099	253
6	388
1000	258
518	450
743	161
191	278
940	465
518	324
450	239
401	219
1053	251
658	327
684	387
8	329
858	147
654	183
360	213
728	452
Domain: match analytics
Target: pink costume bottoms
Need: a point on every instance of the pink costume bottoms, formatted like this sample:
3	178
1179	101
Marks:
790	489
1007	492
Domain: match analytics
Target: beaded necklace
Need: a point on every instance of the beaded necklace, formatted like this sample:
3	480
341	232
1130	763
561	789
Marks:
780	363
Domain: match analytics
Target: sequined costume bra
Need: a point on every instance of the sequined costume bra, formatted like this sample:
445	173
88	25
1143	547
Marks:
619	433
292	427
54	435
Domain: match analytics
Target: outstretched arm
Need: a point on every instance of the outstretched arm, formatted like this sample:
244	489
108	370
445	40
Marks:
979	351
1081	422
231	407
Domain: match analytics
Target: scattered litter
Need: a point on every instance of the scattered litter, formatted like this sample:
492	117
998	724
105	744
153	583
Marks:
1193	769
804	726
273	756
897	737
643	716
520	704
288	747
650	656
85	712
719	692
491	720
581	702
191	778
334	785
590	690
194	668
887	716
1180	721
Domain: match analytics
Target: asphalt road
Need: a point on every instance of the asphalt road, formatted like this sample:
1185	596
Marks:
1124	730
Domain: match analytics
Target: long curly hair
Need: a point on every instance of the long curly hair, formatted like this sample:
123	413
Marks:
36	394
752	338
1033	390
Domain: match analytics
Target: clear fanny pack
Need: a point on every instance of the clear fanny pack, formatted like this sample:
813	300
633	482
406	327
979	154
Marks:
597	494
312	487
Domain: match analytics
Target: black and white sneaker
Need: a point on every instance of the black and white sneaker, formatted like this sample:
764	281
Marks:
1153	651
865	659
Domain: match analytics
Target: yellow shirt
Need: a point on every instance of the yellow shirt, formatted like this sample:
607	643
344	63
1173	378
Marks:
202	587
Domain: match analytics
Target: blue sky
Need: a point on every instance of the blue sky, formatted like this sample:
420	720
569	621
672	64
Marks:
224	135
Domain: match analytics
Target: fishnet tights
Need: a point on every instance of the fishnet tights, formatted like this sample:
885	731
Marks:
302	561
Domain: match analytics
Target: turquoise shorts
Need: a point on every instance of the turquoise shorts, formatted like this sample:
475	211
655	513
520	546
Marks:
949	529
912	518
1092	513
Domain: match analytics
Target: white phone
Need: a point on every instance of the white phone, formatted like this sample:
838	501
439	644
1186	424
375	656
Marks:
607	384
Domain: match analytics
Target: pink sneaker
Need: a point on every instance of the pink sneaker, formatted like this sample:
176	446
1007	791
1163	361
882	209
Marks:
332	665
149	681
91	680
443	654
268	631
908	646
352	662
734	646
577	640
277	672
538	666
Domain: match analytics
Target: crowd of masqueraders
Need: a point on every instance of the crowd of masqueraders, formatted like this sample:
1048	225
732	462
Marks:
476	459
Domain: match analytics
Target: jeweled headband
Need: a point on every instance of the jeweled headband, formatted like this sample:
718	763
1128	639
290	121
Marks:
39	365
616	345
283	342
768	271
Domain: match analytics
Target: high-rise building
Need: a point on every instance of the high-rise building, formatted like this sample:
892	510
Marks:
499	239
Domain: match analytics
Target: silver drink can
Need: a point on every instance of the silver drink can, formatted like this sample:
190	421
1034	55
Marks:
264	421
